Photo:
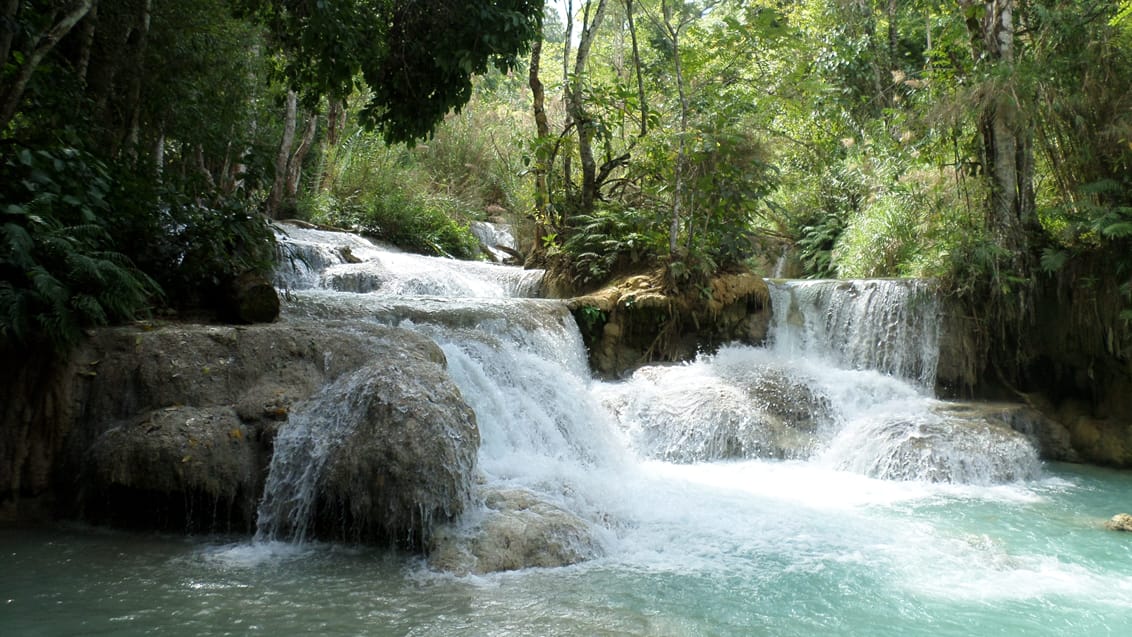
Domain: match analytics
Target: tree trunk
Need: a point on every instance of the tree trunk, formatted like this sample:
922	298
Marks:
11	95
136	80
637	69
7	28
583	121
542	131
295	164
681	150
86	43
284	154
1007	148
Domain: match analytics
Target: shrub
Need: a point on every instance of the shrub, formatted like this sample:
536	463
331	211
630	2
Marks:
59	271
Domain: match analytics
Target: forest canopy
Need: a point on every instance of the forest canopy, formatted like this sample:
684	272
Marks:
983	143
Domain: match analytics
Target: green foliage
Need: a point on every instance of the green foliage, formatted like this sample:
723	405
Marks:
59	271
416	57
611	238
382	191
423	198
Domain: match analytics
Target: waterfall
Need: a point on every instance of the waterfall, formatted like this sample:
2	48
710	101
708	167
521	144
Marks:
888	325
844	385
315	430
496	239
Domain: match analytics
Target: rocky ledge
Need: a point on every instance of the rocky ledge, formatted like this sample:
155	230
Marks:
174	426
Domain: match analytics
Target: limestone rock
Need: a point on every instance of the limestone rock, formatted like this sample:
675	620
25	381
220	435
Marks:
1119	522
759	413
516	529
954	444
1050	437
407	460
175	468
173	426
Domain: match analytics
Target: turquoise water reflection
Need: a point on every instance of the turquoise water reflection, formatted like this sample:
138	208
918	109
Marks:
1019	560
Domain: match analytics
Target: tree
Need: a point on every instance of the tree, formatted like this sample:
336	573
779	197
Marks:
1007	154
59	23
415	57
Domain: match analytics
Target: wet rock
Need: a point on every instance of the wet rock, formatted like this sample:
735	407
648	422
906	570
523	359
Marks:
954	443
678	414
1119	522
405	461
1051	438
173	425
516	529
174	469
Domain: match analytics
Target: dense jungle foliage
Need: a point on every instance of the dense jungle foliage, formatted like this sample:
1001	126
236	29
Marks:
144	143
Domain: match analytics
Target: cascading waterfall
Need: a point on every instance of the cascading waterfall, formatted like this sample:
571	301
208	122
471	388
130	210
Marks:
845	383
811	486
891	326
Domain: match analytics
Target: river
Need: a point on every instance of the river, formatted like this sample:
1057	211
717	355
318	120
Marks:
811	486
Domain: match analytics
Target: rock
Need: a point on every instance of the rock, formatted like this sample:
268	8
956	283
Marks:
680	415
516	529
174	425
1051	438
956	444
636	320
250	298
1119	522
174	469
404	462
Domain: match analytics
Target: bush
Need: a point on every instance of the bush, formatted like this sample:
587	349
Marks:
382	191
59	271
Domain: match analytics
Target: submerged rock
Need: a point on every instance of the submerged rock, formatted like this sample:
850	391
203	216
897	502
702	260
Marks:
687	414
951	443
1119	522
516	529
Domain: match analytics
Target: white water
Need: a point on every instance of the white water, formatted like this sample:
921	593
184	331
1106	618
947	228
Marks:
781	490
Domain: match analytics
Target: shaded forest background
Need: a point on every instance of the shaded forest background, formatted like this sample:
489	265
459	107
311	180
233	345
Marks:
144	144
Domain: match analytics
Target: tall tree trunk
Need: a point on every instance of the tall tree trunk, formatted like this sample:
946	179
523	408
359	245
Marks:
11	95
295	164
134	105
284	154
1007	147
8	10
86	43
542	131
637	69
583	121
567	158
681	148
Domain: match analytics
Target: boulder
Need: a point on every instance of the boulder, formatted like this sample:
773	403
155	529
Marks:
515	529
174	426
953	444
401	450
1051	438
677	414
1119	522
174	469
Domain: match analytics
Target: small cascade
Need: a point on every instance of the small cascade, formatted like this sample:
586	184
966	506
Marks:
348	263
302	448
891	326
496	239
